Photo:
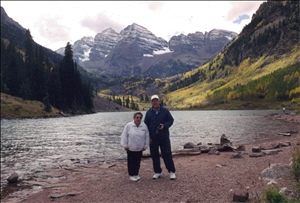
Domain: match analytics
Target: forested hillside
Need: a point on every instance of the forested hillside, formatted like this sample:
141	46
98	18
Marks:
261	66
28	74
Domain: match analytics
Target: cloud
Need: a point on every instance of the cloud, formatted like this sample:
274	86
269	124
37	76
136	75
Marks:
238	9
51	28
241	18
54	23
154	6
101	22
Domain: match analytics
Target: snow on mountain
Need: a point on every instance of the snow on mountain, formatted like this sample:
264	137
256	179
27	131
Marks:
135	47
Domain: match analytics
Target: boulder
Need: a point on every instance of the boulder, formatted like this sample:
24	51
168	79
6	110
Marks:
188	145
236	156
276	171
224	140
212	151
240	196
256	149
13	178
241	148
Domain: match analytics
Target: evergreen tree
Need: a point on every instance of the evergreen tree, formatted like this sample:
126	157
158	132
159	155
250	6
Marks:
77	96
67	76
54	89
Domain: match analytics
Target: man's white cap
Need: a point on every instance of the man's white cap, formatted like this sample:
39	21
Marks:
154	97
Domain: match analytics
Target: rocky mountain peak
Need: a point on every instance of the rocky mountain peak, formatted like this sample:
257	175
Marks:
218	33
134	30
137	51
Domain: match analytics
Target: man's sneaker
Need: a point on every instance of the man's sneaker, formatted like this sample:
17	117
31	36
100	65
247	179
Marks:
138	177
172	176
133	178
157	175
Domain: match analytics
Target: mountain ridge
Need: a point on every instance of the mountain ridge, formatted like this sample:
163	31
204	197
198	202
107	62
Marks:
136	51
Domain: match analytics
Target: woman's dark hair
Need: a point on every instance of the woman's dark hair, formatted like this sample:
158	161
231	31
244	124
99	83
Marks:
138	113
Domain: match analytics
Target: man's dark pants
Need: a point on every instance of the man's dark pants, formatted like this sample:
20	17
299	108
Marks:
162	142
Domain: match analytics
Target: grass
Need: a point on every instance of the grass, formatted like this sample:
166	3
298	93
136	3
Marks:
274	196
14	107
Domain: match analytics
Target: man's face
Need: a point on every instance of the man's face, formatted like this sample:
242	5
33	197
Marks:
155	103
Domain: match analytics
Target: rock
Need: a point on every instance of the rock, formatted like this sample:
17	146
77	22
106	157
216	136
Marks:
286	144
187	152
276	171
236	156
188	145
271	152
272	146
224	140
57	185
13	178
240	196
226	148
285	134
73	193
212	151
260	154
38	183
50	173
241	148
286	191
220	165
256	149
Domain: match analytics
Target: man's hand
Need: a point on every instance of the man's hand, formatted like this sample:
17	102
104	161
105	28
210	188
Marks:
161	126
126	148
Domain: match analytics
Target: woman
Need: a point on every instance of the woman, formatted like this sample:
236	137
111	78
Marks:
135	139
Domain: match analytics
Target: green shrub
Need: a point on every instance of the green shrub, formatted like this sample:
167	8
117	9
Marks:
274	196
298	190
296	163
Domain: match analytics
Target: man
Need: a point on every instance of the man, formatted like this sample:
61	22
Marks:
159	120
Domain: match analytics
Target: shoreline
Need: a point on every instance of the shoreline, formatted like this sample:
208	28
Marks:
81	177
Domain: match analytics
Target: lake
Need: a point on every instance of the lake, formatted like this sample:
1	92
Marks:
29	145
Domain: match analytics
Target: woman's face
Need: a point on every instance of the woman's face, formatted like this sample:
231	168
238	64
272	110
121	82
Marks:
137	119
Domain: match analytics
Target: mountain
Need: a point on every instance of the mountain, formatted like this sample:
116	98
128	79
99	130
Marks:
12	31
260	68
136	51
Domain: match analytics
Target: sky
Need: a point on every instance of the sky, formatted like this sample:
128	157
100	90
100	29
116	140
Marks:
53	24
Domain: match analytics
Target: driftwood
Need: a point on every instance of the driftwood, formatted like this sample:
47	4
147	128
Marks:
187	152
285	134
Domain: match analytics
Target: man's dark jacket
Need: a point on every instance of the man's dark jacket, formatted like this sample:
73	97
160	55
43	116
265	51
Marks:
153	120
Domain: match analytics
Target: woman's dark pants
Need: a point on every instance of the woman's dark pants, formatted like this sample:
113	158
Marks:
134	162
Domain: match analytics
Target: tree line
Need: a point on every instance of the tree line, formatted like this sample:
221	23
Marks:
29	74
279	86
